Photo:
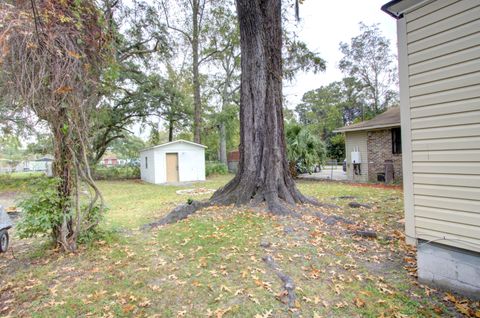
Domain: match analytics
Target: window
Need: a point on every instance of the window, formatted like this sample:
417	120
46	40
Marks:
146	162
396	141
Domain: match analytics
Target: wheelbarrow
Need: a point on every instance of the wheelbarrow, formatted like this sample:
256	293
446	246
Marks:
5	225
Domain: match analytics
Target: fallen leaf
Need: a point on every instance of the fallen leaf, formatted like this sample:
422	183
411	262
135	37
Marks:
359	302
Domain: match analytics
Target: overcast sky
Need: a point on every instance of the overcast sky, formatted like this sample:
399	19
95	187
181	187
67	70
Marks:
324	24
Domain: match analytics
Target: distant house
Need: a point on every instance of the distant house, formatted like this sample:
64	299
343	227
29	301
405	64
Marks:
439	68
42	164
175	161
110	160
374	148
233	157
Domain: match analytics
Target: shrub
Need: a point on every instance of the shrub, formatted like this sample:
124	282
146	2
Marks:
18	179
41	210
336	147
215	168
305	150
116	173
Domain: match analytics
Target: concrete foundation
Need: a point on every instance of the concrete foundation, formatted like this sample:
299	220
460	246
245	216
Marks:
449	268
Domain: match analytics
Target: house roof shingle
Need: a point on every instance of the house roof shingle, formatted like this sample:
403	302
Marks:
390	118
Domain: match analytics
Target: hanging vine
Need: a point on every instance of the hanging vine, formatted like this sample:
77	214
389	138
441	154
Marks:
52	53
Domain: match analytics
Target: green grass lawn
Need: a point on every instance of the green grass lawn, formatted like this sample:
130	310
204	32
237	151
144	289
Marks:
210	265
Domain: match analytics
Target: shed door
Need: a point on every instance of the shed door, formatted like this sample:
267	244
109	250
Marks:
172	167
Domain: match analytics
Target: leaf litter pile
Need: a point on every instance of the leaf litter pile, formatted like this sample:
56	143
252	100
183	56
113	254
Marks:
236	262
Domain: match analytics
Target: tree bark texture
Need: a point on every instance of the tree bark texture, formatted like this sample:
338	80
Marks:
263	174
197	101
63	168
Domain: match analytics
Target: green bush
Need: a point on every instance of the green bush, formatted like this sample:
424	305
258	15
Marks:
41	212
215	168
305	150
95	233
336	147
116	173
18	180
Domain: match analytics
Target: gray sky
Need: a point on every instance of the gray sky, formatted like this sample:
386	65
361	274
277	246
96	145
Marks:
324	24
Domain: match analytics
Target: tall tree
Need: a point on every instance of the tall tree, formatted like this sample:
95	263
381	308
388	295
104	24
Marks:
141	46
53	55
167	100
263	174
321	109
296	57
189	19
369	59
128	147
227	80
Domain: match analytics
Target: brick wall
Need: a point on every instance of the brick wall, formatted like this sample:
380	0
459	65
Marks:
379	145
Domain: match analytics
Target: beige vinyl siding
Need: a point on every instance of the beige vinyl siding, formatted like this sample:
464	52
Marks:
352	140
446	143
447	179
439	204
446	108
443	45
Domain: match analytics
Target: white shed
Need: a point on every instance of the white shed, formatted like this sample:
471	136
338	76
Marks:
176	161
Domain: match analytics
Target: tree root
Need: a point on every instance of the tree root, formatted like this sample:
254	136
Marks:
366	233
288	284
244	191
179	213
332	219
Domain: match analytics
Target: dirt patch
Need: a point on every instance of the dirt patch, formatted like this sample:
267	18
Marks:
197	191
9	198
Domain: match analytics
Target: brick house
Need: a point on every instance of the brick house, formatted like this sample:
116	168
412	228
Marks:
109	160
233	158
374	148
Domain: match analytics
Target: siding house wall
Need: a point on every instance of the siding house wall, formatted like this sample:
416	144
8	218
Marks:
353	140
443	56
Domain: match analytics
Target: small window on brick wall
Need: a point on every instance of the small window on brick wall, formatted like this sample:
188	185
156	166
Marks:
146	162
396	141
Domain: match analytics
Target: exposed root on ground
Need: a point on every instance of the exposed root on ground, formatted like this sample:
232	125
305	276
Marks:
274	206
281	198
179	213
288	284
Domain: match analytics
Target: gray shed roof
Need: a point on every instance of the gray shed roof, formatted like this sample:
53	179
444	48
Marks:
390	118
175	142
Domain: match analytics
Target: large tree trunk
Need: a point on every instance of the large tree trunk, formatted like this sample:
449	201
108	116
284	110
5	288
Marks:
197	102
63	169
263	173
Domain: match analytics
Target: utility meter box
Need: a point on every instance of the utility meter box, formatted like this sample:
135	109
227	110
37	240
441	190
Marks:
355	156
